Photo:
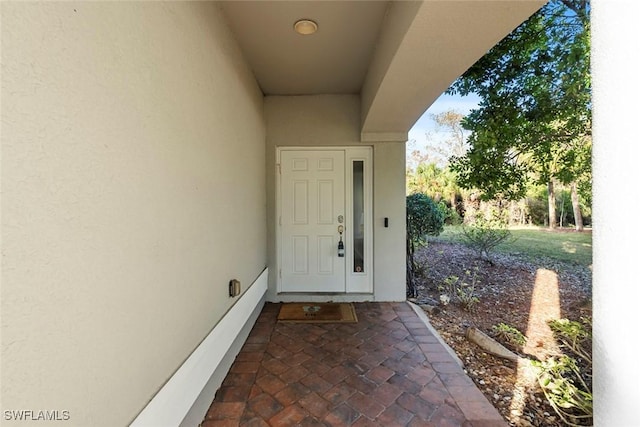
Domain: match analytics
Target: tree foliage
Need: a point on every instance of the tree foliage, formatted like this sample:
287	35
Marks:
423	218
534	117
435	182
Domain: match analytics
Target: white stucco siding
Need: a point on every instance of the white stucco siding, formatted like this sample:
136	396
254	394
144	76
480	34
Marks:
132	192
389	250
334	120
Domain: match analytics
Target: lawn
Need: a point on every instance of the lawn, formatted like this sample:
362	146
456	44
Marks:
563	245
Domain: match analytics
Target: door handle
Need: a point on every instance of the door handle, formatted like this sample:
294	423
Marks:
340	248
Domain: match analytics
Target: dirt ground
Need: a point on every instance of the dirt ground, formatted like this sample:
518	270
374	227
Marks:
514	291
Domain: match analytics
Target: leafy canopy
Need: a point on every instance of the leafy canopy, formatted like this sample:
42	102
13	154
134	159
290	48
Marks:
534	117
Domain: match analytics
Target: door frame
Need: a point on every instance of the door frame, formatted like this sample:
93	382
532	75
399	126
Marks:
355	282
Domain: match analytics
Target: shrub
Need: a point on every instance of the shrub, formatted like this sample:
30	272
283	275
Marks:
423	218
450	215
485	234
455	218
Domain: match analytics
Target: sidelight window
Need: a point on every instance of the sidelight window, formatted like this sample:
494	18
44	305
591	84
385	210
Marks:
358	217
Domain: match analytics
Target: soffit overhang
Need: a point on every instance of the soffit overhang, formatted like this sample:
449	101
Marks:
334	60
399	56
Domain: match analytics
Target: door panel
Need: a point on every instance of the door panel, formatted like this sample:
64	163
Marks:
312	197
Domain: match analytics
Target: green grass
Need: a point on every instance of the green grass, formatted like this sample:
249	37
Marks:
534	242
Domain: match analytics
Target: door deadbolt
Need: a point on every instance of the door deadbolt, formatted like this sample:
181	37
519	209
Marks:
340	229
340	219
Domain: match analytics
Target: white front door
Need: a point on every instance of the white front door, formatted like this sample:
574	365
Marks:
312	207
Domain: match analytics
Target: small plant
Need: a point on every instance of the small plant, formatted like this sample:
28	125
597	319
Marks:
485	234
509	335
467	297
566	379
466	292
571	400
463	292
574	336
448	288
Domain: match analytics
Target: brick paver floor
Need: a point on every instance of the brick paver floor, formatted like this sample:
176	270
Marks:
388	369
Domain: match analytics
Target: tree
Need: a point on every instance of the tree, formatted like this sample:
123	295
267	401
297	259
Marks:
455	144
428	171
433	181
416	157
534	117
423	218
439	151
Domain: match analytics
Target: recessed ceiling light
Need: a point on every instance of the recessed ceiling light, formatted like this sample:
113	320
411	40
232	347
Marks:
305	26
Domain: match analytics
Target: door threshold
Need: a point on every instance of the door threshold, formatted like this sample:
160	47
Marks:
284	297
324	293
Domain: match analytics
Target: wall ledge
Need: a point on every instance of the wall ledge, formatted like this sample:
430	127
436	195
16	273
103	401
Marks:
173	402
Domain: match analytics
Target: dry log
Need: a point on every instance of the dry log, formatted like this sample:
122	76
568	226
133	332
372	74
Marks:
489	344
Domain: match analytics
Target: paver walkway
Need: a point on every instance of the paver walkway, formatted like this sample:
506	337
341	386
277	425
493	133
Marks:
388	369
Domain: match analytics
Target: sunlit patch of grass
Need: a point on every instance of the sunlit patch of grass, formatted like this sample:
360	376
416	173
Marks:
569	247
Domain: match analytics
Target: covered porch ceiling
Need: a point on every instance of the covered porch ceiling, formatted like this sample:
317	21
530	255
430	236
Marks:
399	56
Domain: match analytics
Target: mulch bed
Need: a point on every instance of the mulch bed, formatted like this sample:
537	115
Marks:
514	291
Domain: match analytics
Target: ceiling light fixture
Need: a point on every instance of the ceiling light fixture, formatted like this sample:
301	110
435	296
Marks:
305	27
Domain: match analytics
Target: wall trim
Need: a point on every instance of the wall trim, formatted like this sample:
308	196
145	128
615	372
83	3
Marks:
172	403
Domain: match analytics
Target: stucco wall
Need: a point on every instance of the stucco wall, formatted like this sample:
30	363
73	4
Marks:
334	120
616	90
132	192
389	250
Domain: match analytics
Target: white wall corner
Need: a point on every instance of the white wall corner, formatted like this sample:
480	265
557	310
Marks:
175	401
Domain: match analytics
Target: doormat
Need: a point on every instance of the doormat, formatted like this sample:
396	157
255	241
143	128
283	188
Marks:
312	312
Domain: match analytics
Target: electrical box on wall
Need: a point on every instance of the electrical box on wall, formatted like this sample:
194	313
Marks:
234	288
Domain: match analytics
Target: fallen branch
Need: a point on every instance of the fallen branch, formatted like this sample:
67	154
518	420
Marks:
489	344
